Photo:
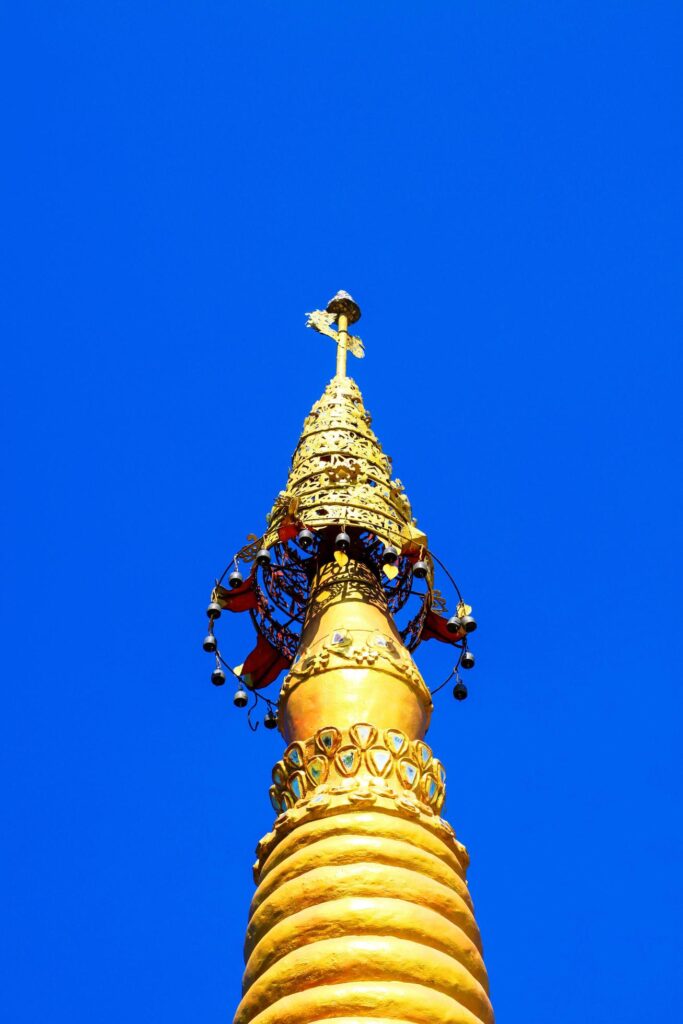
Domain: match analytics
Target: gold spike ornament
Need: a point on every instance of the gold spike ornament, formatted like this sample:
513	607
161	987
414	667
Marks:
344	311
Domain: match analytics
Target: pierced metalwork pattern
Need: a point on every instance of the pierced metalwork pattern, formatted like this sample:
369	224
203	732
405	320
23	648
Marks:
340	475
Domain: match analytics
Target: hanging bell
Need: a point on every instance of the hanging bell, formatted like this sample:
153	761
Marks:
235	579
241	699
390	556
454	624
469	623
270	719
263	558
460	690
210	643
342	542
467	659
421	570
218	677
214	610
305	539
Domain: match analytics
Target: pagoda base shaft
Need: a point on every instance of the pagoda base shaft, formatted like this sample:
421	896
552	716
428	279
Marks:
363	914
362	911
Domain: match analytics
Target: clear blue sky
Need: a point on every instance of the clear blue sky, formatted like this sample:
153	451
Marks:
499	185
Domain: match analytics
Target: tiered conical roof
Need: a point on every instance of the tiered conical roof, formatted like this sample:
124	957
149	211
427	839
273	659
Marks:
341	477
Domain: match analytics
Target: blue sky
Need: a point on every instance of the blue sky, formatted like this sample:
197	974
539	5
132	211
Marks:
499	186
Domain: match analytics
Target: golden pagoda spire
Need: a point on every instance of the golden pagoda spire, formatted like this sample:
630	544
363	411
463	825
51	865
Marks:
361	912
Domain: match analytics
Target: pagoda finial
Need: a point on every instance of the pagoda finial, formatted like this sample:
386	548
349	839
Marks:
344	311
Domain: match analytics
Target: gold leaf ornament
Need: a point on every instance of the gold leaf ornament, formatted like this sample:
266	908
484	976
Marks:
356	347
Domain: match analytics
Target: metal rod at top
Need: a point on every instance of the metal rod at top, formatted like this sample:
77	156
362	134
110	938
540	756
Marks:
342	330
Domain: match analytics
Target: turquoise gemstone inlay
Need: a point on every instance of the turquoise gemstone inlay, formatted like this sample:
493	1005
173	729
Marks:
295	756
297	788
431	791
396	741
316	771
348	759
411	771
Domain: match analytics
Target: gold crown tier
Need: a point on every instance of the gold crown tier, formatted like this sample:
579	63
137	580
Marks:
362	912
340	475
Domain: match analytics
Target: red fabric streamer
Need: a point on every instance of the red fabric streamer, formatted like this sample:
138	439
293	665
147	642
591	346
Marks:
434	628
288	531
264	664
241	599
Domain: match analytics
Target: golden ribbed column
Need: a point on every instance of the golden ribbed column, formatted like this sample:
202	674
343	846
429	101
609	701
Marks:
361	912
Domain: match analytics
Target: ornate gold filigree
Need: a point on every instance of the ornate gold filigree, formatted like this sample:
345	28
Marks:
321	321
328	761
340	475
249	551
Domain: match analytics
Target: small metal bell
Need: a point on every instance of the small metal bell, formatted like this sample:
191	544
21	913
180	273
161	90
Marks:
467	660
270	719
342	542
235	579
454	624
460	690
218	677
210	643
469	623
421	570
241	698
263	558
214	610
305	539
390	556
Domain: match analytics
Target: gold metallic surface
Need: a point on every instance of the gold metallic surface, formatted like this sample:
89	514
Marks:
340	475
368	677
361	913
359	902
324	763
345	311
